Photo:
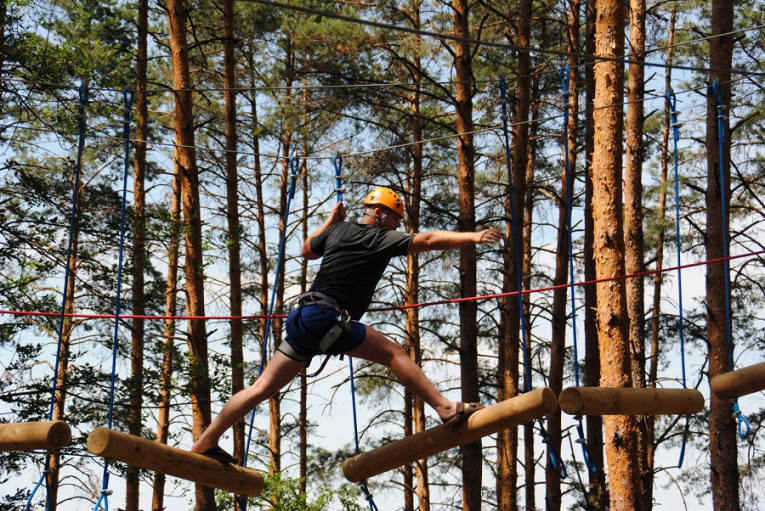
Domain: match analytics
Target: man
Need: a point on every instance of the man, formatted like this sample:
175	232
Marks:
325	320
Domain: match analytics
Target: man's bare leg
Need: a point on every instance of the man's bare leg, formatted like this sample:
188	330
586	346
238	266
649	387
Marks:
279	371
381	350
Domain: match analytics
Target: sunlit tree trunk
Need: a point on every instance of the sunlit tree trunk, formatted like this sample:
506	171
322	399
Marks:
192	217
611	316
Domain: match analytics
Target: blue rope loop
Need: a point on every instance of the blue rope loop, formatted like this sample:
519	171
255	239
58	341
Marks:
742	425
557	462
128	100
516	254
83	102
582	440
337	162
293	165
675	124
368	496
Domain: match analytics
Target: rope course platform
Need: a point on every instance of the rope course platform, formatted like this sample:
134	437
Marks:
629	401
739	382
166	459
506	414
28	436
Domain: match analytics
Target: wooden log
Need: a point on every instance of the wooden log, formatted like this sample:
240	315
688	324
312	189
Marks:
166	459
487	421
27	436
629	401
739	382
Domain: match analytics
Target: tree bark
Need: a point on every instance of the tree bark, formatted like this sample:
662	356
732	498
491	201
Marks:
722	425
192	217
611	315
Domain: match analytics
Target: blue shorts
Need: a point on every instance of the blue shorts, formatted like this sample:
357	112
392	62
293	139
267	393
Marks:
307	325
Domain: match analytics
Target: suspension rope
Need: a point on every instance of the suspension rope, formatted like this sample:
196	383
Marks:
128	97
294	165
675	125
555	458
581	440
742	424
83	93
337	162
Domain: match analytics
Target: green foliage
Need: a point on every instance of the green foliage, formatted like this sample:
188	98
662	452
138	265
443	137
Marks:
282	493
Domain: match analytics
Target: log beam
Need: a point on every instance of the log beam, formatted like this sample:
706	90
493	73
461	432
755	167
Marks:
739	382
487	421
629	401
28	436
166	459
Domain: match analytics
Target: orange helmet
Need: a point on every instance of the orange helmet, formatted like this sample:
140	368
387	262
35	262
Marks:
385	197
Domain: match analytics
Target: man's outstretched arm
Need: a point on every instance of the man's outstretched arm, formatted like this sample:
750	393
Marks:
446	240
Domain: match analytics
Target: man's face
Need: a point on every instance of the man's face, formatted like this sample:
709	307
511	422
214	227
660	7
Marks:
389	219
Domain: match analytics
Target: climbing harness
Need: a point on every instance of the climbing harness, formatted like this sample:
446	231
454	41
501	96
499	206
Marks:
313	298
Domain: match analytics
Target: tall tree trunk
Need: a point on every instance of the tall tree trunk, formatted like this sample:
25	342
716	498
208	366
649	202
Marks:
168	335
192	217
472	458
132	476
616	369
653	361
234	226
722	426
598	495
633	223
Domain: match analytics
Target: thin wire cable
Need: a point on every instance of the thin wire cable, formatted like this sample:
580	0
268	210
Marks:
510	46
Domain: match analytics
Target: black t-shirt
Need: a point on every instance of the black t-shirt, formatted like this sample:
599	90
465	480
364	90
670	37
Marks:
354	257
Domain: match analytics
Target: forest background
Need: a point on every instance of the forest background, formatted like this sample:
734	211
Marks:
226	100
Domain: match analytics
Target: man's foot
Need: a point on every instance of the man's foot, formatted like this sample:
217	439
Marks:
219	454
464	410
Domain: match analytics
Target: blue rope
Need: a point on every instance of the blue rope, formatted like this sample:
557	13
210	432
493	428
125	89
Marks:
743	424
83	92
564	74
293	163
128	97
556	461
676	137
337	162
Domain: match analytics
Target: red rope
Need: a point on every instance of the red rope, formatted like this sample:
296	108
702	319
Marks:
398	307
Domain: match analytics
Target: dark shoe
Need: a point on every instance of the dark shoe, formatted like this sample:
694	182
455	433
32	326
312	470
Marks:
219	454
464	410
